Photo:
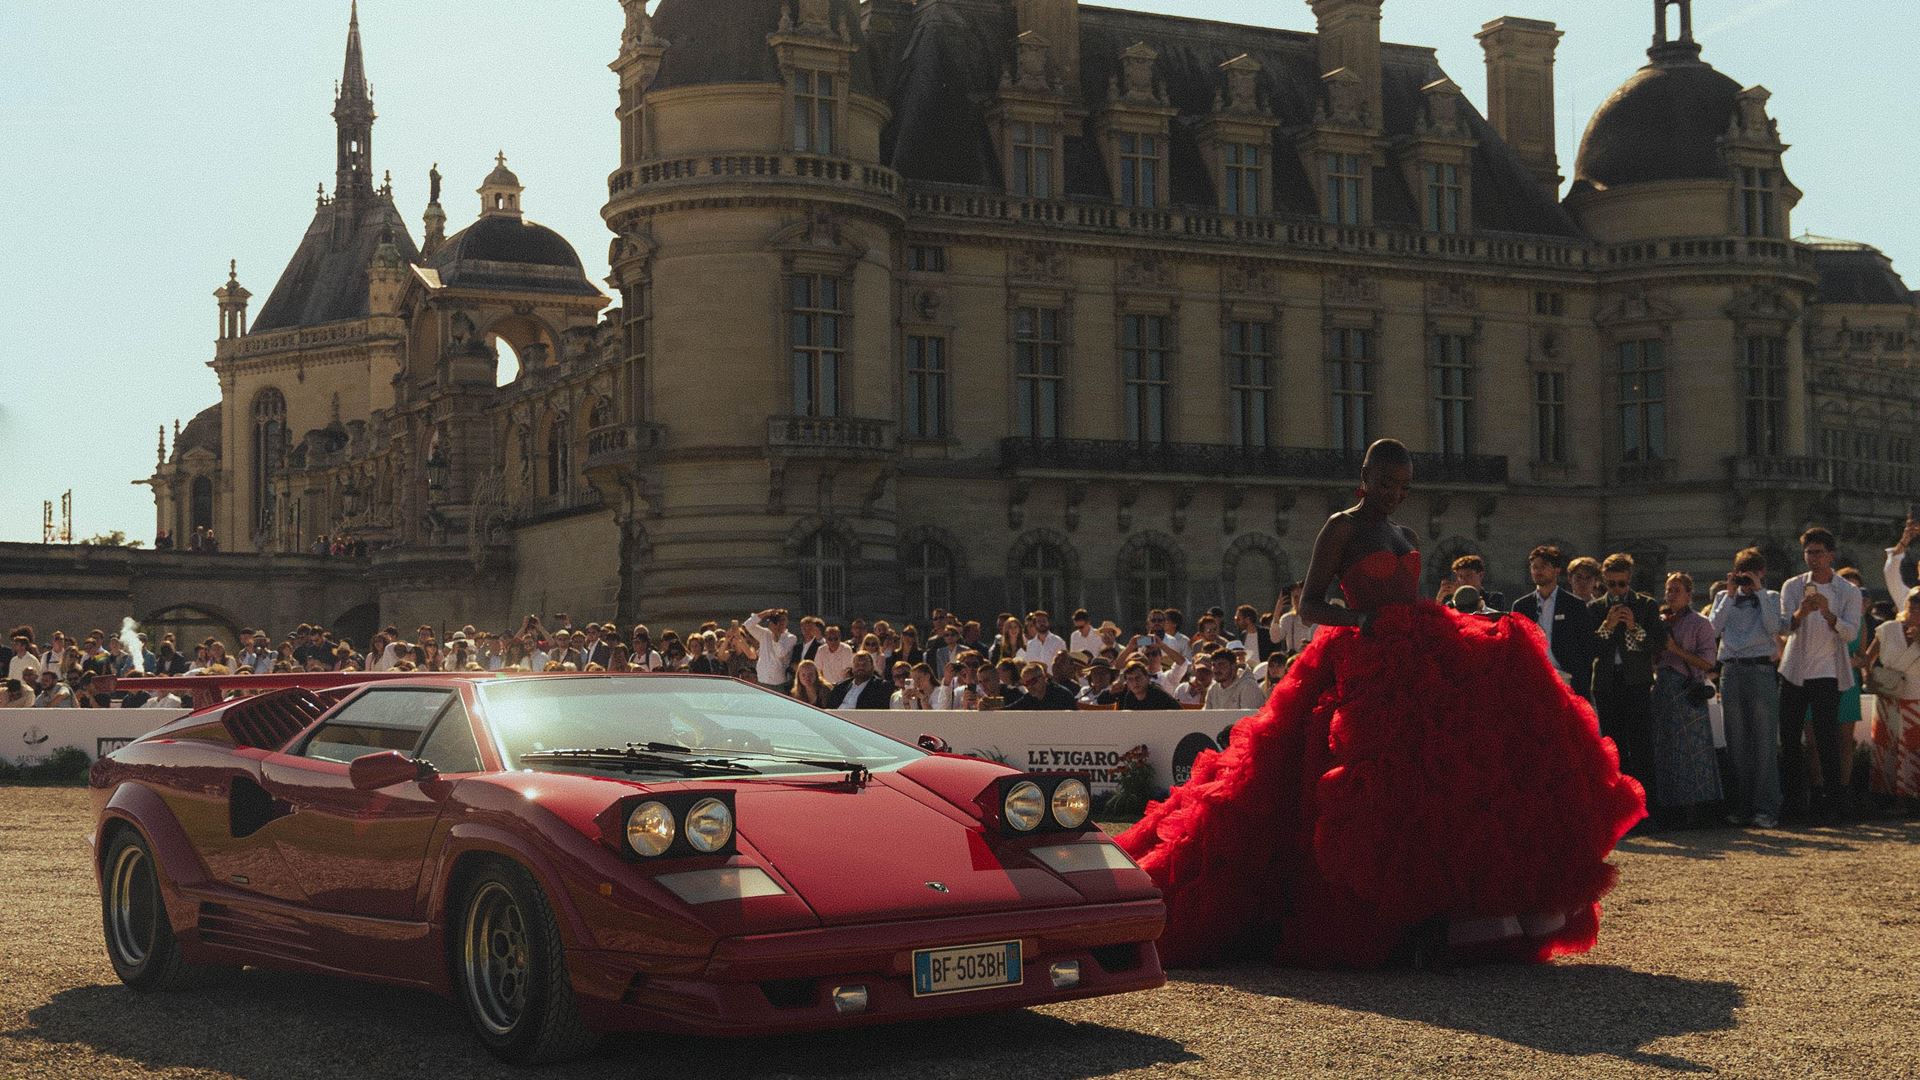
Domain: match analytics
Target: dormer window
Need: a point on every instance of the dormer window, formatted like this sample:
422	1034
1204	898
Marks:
1139	169
1035	146
1757	202
1346	174
1245	171
815	103
1444	197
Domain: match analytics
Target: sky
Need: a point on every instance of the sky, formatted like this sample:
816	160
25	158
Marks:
149	143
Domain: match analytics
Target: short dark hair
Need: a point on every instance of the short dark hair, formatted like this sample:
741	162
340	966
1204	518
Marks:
1385	453
1617	562
1247	610
1173	616
1081	613
1750	560
1819	535
1474	563
1549	554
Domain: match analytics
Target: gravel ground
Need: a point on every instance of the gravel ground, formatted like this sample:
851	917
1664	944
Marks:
1776	954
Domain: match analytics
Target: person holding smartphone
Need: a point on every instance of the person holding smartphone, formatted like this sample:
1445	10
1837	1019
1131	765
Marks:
1631	636
1746	615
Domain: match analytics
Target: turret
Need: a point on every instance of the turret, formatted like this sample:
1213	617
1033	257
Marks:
353	118
233	304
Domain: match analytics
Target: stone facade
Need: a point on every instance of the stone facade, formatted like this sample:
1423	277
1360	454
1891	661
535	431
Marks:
1087	307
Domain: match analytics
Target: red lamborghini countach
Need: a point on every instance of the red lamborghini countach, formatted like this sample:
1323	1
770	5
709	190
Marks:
569	855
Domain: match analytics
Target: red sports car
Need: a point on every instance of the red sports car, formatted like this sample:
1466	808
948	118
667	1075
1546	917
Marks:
575	854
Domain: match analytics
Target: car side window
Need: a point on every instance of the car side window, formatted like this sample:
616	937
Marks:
375	721
450	746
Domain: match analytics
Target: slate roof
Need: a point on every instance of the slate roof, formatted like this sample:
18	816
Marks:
952	55
326	281
1858	274
725	41
1664	123
201	432
505	252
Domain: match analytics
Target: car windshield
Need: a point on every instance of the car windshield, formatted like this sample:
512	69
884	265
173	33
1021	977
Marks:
719	718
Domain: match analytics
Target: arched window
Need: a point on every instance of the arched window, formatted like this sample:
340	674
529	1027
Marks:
1043	578
602	414
1255	580
823	575
200	510
929	573
559	458
269	448
1146	578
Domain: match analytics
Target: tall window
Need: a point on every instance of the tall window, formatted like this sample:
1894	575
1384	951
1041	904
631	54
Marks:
1043	579
1350	356
1146	342
1763	385
1641	380
1450	371
1034	147
1443	198
929	572
1139	170
926	387
817	343
1250	381
1344	173
269	447
200	505
1756	202
1148	577
1245	170
1550	417
813	111
823	575
559	457
1038	378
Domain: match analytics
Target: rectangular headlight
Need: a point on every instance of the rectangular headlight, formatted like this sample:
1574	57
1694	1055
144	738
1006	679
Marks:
725	883
1074	858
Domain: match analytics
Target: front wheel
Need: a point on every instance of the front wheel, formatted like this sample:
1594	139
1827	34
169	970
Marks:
511	968
140	940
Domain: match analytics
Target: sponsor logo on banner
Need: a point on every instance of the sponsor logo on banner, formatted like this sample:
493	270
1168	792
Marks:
1097	765
1184	755
105	745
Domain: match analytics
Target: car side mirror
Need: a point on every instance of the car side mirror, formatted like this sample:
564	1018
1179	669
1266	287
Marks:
371	772
934	744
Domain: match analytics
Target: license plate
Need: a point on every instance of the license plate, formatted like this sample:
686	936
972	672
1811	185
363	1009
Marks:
966	967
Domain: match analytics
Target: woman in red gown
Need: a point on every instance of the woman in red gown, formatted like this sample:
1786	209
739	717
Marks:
1421	782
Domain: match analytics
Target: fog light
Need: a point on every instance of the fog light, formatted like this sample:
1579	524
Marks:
848	1000
1065	974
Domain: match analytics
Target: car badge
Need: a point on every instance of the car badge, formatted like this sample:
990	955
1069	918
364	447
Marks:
938	887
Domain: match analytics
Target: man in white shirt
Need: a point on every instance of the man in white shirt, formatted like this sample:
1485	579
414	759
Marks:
1893	571
1246	628
833	658
258	656
1084	637
1822	611
1290	632
26	665
1042	643
1230	689
777	643
1172	638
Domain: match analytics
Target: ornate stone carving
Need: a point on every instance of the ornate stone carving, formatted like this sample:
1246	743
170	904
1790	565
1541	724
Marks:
1038	265
1452	294
1135	82
1241	94
1437	514
1182	499
1147	273
1635	304
1346	99
1250	279
1351	288
1032	63
1762	303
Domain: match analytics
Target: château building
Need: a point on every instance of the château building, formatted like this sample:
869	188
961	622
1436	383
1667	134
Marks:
1002	304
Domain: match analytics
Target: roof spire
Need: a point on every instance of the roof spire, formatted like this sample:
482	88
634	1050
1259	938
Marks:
1669	49
353	119
353	79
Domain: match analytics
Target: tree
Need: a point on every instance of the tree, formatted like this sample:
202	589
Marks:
116	538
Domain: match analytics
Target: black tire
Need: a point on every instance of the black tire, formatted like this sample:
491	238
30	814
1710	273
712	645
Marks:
510	970
133	919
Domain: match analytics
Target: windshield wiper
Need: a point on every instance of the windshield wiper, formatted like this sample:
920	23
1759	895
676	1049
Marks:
857	773
635	759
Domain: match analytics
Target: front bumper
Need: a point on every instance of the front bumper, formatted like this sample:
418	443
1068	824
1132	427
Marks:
774	983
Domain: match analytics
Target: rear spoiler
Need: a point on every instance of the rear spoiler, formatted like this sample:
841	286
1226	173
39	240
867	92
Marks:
203	691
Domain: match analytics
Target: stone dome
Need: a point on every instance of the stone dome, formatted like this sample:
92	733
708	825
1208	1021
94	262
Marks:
1665	123
510	252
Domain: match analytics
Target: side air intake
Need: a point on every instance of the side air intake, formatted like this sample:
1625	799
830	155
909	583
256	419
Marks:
270	721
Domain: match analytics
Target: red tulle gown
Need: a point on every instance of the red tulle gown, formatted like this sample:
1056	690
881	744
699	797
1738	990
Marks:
1433	767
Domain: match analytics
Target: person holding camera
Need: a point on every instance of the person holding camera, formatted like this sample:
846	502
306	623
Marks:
1823	615
1684	757
1748	619
1631	636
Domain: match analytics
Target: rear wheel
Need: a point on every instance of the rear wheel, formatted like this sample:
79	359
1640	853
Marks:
140	940
511	967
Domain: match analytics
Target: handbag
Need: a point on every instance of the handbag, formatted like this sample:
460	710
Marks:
1699	693
1883	681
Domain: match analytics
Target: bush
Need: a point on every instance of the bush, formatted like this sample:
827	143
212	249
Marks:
1135	777
65	767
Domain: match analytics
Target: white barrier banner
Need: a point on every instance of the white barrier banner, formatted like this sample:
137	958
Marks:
1090	741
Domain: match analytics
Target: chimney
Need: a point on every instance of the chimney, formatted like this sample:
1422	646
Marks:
1058	23
1349	37
1520	92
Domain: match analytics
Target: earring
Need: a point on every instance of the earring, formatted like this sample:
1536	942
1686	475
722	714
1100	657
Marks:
1360	493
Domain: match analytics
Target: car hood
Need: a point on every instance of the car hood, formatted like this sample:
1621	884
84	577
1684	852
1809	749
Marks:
884	850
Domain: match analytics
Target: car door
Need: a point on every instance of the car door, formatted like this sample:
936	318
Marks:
361	852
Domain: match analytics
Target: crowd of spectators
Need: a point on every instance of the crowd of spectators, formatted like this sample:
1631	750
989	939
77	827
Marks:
1787	667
